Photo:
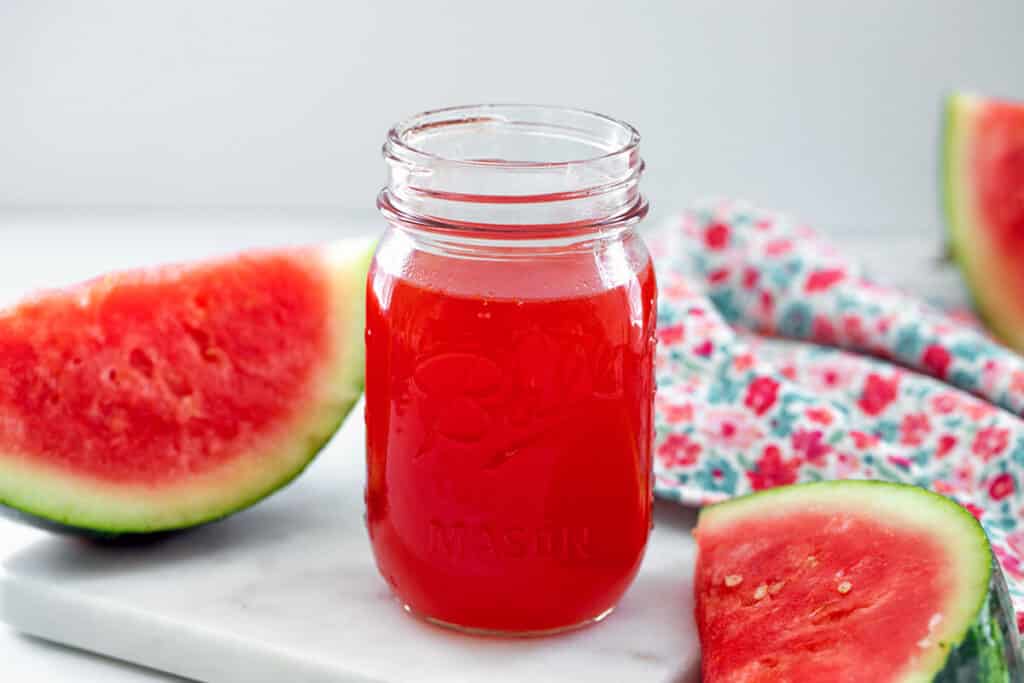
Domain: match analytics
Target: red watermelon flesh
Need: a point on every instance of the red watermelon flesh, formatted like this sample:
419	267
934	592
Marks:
845	594
838	581
156	399
984	199
997	166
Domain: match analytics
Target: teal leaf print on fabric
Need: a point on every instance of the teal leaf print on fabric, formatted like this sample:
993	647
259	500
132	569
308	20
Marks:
781	277
1003	523
724	389
918	392
963	378
908	342
723	300
846	303
700	264
666	316
717	474
953	423
1017	455
788	415
887	472
870	310
664	381
782	423
966	350
887	430
796	320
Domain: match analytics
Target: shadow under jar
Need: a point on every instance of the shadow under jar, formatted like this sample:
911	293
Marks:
509	368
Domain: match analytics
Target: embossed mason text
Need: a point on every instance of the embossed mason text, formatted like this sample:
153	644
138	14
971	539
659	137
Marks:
481	541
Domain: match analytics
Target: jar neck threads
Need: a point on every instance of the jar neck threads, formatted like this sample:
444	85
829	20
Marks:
513	170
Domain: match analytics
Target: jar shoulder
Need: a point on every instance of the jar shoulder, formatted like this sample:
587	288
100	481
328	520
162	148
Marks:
519	272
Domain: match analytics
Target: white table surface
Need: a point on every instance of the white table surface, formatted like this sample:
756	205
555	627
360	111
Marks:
50	248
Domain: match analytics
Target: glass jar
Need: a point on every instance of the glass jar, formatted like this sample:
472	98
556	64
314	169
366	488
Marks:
509	368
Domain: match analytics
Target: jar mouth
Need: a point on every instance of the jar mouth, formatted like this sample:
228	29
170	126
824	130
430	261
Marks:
423	135
503	166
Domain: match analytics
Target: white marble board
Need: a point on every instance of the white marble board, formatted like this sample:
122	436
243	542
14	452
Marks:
287	592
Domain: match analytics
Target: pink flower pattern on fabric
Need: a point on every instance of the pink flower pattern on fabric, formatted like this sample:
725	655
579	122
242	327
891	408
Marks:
739	409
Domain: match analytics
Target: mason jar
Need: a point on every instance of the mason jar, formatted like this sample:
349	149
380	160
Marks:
509	368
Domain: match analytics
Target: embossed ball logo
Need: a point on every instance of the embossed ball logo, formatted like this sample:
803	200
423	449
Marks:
507	400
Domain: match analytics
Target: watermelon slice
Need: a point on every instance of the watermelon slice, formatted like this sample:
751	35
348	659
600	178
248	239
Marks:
984	199
850	581
160	399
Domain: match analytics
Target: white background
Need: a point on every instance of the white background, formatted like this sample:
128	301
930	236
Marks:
825	107
231	123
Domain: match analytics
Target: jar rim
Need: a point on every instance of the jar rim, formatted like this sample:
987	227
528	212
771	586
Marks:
498	166
398	137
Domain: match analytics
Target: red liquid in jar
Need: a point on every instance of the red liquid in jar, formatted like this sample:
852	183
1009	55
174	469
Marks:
508	441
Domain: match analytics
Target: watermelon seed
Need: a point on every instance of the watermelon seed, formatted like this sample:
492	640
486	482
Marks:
776	587
933	623
761	591
733	580
812	560
844	587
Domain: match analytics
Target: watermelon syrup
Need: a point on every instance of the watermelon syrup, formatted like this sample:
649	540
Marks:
509	369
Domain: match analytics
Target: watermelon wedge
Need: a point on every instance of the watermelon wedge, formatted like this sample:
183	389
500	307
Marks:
160	399
983	183
850	581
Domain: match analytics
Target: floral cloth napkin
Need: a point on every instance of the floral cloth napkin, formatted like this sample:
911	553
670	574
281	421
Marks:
871	383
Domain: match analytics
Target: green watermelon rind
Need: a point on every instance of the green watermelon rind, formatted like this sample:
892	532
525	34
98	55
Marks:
956	191
102	511
990	652
982	640
967	235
